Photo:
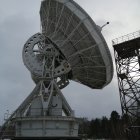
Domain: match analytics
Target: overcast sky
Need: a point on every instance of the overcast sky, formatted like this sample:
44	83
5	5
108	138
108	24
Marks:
19	19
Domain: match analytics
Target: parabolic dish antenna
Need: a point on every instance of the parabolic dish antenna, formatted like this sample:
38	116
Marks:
73	33
70	47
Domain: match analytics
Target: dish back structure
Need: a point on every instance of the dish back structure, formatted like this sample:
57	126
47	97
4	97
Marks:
80	40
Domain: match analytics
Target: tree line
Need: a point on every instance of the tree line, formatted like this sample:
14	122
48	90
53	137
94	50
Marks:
115	127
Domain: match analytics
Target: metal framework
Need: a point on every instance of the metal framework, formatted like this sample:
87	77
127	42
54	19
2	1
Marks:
127	58
41	113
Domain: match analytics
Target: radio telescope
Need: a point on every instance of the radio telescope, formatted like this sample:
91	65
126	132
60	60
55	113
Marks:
70	47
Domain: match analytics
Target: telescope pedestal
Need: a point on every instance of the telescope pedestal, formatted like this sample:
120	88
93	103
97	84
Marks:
42	117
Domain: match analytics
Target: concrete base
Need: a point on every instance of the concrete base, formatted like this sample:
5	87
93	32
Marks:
49	127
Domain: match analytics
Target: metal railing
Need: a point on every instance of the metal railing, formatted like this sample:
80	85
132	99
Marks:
125	38
8	133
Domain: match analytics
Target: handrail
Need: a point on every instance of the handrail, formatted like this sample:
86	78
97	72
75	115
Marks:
125	38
